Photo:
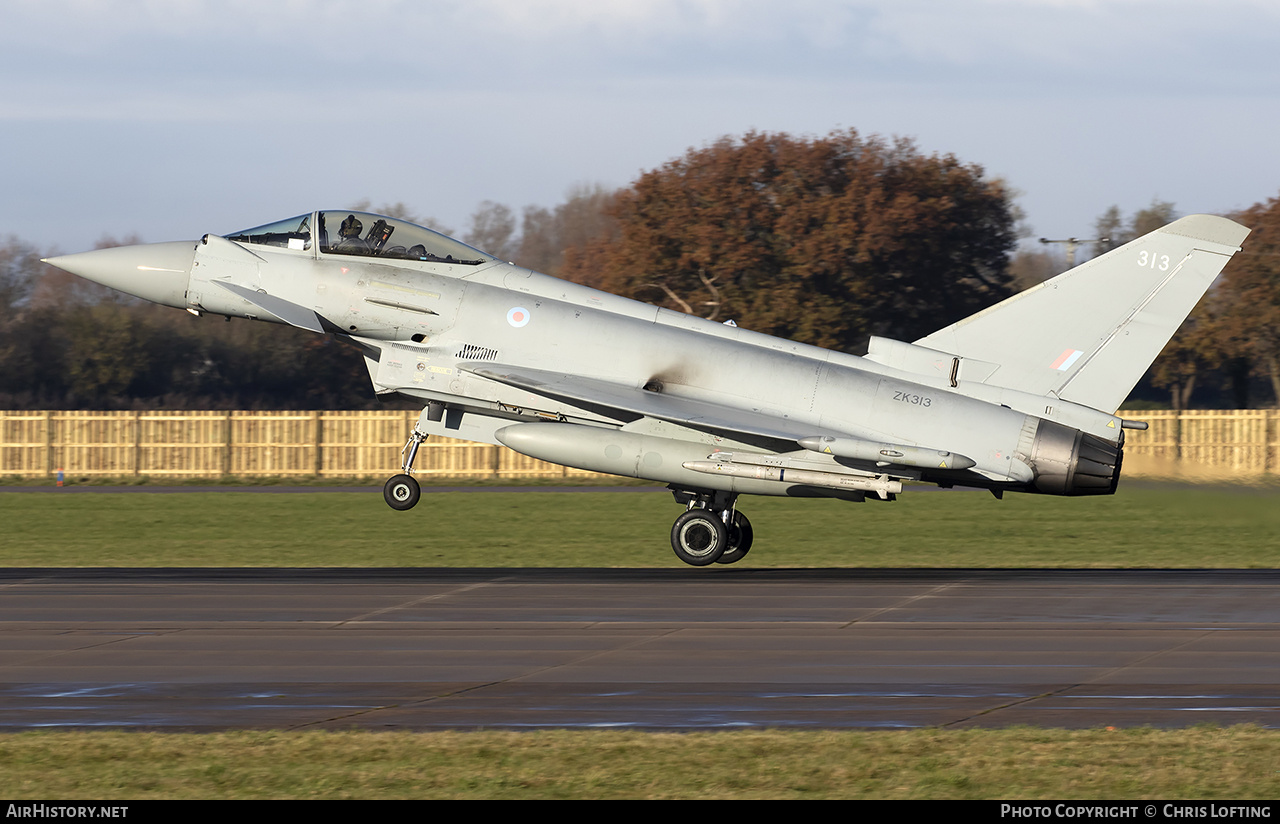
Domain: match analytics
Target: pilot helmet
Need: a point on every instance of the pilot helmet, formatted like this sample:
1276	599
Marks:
351	227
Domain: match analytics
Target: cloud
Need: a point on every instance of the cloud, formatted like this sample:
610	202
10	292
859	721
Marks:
514	100
122	49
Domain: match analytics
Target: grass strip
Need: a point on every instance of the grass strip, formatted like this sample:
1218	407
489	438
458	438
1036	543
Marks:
1236	763
1167	527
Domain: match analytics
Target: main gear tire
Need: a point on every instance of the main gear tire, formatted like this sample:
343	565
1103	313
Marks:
740	538
699	537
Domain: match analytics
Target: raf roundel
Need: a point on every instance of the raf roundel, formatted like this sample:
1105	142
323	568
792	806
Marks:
518	316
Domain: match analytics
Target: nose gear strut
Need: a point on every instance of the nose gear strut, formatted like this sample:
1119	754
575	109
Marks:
402	491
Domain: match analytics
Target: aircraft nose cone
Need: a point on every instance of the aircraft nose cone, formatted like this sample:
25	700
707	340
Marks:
158	272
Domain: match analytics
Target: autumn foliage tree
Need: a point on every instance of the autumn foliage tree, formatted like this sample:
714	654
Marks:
825	240
584	217
1249	322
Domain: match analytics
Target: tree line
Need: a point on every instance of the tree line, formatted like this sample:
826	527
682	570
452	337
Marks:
826	240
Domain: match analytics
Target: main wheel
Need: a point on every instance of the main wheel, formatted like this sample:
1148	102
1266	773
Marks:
699	537
401	492
740	538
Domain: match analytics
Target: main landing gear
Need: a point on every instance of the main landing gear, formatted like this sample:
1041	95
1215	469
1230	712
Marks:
711	531
402	491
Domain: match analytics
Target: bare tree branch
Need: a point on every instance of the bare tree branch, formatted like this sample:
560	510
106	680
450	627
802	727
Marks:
688	310
715	293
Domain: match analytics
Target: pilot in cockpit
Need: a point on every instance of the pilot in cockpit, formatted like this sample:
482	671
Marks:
351	242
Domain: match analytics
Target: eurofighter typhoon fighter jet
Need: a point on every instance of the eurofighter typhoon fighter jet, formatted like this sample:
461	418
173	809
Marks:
1017	398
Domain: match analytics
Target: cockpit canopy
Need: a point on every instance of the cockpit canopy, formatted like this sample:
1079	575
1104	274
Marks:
367	235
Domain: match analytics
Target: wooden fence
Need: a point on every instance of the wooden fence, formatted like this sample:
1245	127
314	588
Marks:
1215	443
211	444
1220	443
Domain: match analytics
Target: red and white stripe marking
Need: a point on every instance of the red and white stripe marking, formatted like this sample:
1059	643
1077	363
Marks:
1066	359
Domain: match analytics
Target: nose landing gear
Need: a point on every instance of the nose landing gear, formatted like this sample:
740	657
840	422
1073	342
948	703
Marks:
402	492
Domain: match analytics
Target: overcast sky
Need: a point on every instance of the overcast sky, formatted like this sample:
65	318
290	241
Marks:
172	118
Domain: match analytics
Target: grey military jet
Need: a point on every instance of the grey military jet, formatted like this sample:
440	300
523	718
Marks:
1019	397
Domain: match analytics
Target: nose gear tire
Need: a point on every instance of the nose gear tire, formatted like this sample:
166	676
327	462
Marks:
401	492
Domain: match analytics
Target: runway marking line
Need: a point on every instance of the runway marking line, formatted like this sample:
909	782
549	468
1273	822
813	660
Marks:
1068	687
1152	654
1008	705
123	636
463	691
899	605
368	616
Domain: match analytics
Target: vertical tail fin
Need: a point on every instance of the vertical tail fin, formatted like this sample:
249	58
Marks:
1088	335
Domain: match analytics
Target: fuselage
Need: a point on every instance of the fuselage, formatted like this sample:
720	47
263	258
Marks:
426	323
1003	399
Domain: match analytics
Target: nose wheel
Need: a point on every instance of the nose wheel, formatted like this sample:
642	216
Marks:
401	492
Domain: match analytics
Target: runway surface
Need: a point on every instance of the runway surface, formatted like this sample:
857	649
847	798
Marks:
716	648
